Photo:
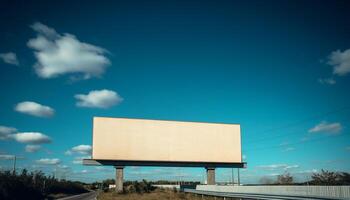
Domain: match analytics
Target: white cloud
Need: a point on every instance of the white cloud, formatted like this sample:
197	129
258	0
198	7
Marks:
340	62
329	81
81	149
288	149
31	148
48	161
58	54
325	127
6	157
79	160
291	167
309	171
272	167
277	167
98	99
31	137
63	166
9	58
5	132
35	109
103	169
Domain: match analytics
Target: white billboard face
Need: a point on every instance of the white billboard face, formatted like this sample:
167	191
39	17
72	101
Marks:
167	141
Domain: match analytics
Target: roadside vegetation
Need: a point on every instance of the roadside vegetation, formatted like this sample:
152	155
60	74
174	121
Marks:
323	177
143	190
157	194
35	185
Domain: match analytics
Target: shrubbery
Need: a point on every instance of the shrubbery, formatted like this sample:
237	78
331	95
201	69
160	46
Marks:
330	178
323	177
139	187
34	185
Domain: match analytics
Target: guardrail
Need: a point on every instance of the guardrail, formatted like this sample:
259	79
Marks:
225	195
337	192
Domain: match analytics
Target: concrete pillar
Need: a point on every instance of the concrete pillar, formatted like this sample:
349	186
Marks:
210	175
119	178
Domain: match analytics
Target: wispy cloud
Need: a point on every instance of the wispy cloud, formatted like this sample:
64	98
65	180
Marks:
326	127
277	167
34	109
309	171
340	61
5	132
6	157
329	81
31	137
288	149
79	159
98	99
48	161
31	148
58	54
9	58
80	149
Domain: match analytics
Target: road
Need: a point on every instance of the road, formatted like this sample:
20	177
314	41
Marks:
86	196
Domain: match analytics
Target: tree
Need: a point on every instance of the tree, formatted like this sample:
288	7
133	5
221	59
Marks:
285	179
345	177
326	178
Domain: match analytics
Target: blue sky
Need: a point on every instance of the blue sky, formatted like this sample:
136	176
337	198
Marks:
280	69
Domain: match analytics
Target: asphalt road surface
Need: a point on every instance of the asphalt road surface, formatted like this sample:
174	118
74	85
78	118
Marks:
86	196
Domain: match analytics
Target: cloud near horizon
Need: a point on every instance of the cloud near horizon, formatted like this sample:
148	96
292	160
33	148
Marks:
58	54
79	160
6	157
34	109
277	167
325	127
48	161
9	58
98	99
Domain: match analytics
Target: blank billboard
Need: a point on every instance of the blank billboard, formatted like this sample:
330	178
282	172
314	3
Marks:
123	139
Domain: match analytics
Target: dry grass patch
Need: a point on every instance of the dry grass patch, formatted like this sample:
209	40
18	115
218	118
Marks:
154	195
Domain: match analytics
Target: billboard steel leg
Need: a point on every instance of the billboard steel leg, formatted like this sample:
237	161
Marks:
119	178
210	175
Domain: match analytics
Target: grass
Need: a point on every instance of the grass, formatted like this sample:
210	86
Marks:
157	194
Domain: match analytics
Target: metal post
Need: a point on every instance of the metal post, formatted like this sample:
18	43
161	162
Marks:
119	178
233	178
239	179
14	165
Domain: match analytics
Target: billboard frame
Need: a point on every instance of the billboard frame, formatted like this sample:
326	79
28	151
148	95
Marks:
147	163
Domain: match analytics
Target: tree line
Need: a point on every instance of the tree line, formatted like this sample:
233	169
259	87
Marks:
323	177
35	185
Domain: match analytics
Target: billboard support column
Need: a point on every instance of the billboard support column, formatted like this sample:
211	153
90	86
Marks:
210	175
119	178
